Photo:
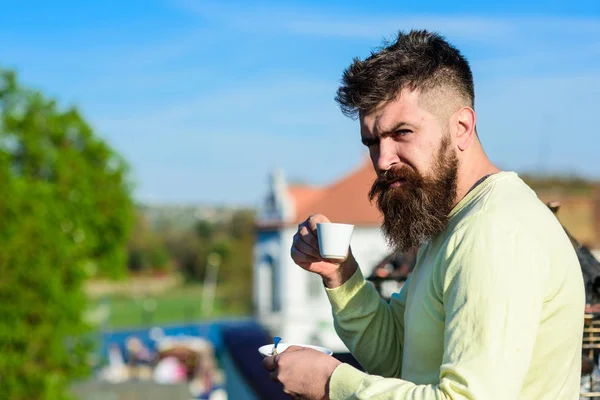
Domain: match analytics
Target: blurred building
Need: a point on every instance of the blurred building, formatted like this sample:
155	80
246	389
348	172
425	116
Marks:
289	301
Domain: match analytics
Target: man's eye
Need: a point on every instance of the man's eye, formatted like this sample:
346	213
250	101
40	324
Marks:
402	132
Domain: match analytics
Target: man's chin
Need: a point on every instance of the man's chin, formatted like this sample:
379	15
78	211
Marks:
409	229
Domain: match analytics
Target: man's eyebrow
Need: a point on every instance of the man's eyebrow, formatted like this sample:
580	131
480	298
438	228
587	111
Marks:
368	140
394	128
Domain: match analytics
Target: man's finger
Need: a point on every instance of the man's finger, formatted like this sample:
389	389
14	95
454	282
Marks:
273	376
295	348
305	232
270	363
308	236
307	248
305	235
314	219
301	258
301	225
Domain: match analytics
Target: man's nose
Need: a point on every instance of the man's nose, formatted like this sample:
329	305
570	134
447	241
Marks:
388	154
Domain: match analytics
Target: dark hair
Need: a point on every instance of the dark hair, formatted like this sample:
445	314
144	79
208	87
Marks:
417	60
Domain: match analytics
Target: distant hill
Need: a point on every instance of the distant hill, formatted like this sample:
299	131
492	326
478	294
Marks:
564	184
183	216
580	203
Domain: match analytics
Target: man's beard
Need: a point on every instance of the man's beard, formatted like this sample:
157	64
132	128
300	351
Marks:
418	209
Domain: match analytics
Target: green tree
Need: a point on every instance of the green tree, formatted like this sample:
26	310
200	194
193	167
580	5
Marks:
65	213
205	229
46	144
237	254
147	252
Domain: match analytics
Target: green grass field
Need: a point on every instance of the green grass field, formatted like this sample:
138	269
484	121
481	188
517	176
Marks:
179	305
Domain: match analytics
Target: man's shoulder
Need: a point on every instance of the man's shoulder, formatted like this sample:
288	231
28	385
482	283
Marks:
506	201
507	220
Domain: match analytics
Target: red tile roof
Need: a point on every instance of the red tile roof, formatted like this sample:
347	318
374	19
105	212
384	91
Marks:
304	194
343	201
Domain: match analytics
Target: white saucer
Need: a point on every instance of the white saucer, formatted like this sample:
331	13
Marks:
267	349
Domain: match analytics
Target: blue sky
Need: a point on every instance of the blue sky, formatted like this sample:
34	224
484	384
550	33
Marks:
204	98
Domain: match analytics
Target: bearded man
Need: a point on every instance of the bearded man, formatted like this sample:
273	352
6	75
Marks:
494	306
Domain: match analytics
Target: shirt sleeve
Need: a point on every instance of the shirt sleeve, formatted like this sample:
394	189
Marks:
371	328
492	283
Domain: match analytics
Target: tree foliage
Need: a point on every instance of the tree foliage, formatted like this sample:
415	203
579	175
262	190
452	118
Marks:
45	144
65	213
146	250
231	238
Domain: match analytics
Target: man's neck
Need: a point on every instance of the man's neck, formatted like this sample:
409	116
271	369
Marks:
471	178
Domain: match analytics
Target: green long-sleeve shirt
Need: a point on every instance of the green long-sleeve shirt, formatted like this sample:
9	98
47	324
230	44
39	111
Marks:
493	310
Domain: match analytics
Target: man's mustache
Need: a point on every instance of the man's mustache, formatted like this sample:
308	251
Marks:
383	181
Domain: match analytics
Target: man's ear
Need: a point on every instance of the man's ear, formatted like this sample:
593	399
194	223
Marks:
463	122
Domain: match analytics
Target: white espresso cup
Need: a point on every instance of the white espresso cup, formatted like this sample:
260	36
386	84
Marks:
334	239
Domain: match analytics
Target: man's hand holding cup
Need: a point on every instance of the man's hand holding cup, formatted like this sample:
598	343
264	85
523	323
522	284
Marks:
323	247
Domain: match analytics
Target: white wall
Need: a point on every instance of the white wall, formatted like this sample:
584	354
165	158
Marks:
369	247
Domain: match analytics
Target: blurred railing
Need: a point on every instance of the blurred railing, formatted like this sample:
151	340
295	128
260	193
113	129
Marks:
591	348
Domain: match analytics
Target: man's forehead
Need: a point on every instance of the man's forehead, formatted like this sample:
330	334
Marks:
403	109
